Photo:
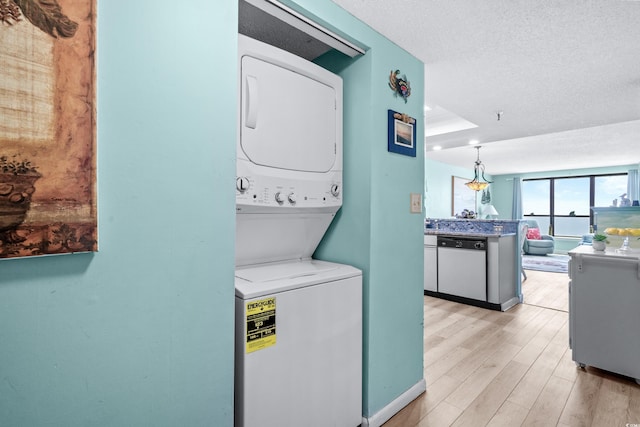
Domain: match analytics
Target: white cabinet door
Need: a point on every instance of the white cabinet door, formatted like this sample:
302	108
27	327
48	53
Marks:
430	268
462	272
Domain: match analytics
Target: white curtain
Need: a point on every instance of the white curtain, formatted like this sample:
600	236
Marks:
633	186
516	208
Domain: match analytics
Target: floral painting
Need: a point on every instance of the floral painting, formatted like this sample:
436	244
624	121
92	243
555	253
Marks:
48	199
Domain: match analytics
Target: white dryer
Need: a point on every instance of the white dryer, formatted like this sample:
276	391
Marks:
298	320
289	154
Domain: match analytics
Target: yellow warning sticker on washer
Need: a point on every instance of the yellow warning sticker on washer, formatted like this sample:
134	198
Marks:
261	324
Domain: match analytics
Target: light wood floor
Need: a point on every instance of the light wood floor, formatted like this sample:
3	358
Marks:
549	290
488	368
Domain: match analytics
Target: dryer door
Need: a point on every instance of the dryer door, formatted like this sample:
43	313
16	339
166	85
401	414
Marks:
288	120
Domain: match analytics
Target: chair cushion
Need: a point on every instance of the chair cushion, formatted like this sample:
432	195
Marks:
541	243
533	234
533	250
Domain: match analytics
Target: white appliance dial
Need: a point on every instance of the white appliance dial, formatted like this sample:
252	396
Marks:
335	190
279	197
242	184
292	198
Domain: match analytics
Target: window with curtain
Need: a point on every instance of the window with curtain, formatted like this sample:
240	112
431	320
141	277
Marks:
562	205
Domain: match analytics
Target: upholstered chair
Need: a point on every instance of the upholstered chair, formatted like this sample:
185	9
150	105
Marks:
536	243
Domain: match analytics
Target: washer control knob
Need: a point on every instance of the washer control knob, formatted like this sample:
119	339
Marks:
335	190
242	184
292	198
279	198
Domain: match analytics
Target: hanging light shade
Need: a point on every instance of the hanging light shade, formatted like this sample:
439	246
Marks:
478	170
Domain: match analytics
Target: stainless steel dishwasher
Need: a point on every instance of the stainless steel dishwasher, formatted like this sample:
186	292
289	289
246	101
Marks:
462	267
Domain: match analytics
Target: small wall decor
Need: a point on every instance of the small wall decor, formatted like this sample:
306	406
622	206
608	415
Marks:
48	199
486	197
401	133
399	85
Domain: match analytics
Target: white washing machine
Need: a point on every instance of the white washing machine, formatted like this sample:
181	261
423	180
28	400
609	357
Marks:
298	320
300	346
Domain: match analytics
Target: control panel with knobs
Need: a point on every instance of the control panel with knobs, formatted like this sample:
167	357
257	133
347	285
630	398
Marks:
242	184
280	198
265	192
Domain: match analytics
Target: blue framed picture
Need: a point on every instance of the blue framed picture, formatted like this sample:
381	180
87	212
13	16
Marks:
401	134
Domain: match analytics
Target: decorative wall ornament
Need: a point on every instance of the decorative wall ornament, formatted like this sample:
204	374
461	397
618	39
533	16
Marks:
48	195
401	133
399	85
486	197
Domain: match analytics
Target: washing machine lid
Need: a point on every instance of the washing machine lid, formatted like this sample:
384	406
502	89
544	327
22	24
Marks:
288	120
269	272
265	279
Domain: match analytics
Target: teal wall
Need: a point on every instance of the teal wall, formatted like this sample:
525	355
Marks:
140	333
395	314
374	229
437	200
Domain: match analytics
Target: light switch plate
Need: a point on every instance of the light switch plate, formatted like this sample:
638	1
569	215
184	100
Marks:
416	203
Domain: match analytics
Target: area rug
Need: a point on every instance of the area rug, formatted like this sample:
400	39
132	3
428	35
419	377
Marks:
555	263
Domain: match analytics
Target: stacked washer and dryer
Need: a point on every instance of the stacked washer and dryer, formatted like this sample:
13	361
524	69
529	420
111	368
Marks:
298	320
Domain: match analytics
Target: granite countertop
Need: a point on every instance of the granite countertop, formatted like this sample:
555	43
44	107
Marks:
434	232
478	228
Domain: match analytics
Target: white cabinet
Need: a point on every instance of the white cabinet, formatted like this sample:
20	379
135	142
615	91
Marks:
604	296
430	264
502	271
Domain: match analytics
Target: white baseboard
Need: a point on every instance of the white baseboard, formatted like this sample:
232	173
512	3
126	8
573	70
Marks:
383	415
512	302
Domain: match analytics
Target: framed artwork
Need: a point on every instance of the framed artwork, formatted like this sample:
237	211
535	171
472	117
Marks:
48	200
401	133
462	197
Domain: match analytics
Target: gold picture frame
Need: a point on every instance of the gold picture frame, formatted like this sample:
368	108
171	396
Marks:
48	192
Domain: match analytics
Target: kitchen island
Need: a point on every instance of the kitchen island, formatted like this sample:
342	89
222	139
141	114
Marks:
604	319
475	262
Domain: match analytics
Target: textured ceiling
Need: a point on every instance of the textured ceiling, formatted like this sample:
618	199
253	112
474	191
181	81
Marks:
565	74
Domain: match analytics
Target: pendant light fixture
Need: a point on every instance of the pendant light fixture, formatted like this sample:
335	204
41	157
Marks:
478	169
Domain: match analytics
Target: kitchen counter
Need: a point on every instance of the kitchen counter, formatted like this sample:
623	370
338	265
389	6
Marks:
471	227
434	232
609	252
490	281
